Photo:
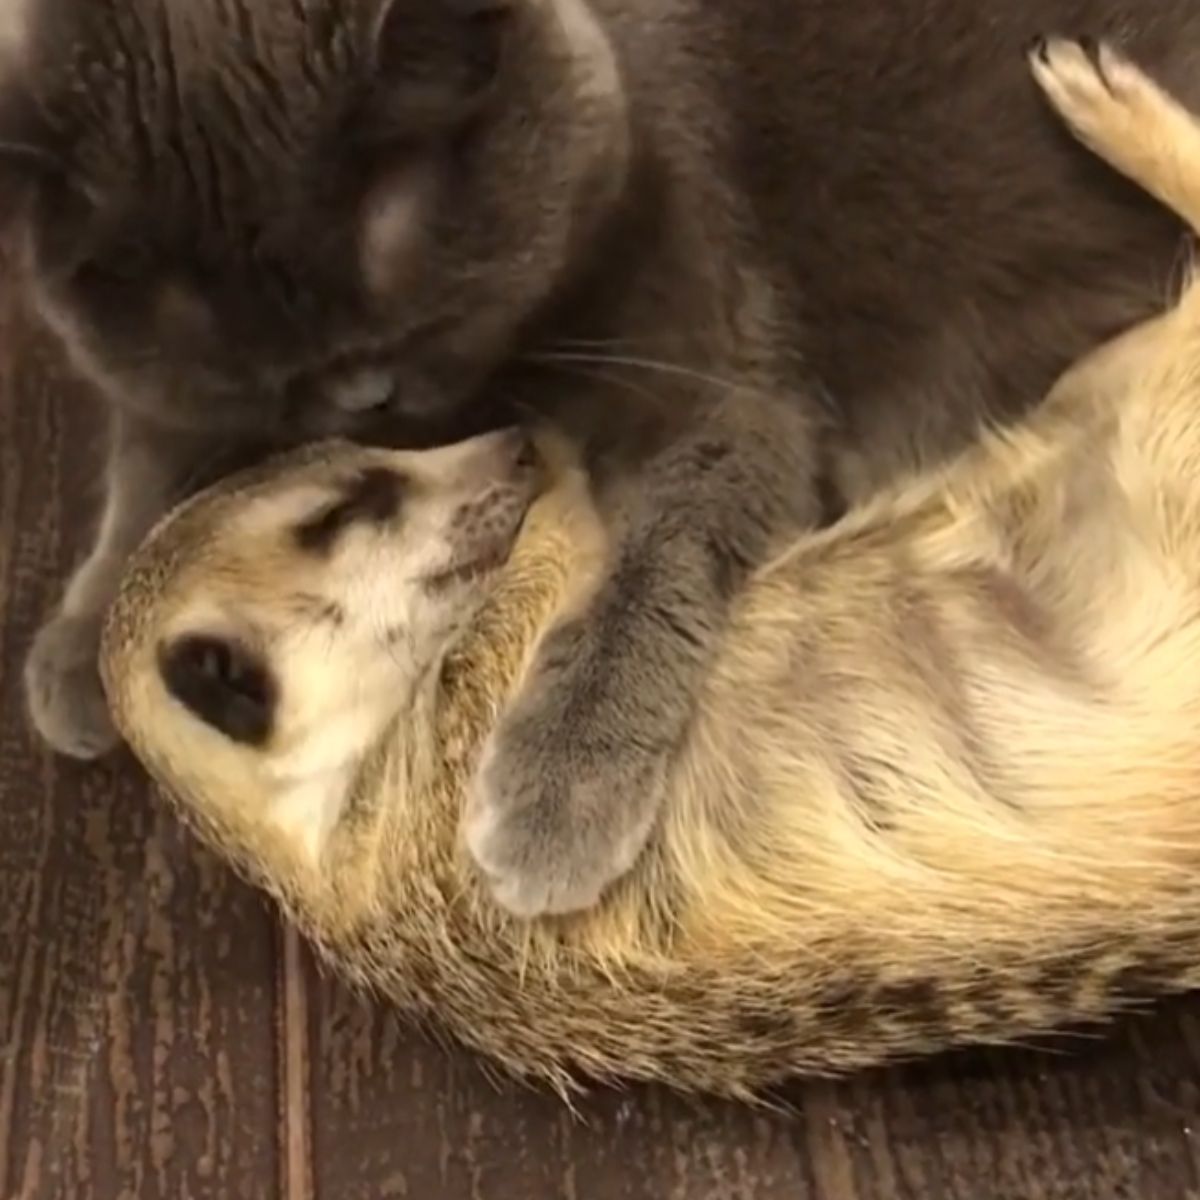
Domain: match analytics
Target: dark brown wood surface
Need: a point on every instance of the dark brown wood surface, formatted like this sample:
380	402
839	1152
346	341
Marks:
161	1036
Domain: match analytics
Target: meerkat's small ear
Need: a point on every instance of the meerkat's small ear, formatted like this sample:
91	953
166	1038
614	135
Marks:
224	683
434	60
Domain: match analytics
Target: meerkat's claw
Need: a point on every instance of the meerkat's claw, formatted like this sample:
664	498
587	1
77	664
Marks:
1121	114
1095	88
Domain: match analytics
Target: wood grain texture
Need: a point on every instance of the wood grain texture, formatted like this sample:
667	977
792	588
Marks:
137	977
161	1036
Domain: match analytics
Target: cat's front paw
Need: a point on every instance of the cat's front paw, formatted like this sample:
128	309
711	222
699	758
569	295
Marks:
63	691
565	796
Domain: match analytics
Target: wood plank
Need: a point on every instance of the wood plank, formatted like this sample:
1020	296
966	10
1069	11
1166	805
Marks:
1117	1117
397	1117
137	978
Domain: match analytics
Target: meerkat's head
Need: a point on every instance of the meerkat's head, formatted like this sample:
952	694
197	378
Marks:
282	621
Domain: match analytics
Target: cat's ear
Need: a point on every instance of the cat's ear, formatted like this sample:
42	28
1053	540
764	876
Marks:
434	62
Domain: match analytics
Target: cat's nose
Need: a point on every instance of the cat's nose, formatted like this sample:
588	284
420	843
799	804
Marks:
365	390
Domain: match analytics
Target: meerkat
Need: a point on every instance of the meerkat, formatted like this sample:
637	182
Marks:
941	786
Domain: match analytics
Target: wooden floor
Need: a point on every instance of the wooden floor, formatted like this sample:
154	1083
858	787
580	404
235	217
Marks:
163	1037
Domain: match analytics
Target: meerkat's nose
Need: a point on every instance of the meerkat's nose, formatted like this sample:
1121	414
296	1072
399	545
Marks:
512	446
527	455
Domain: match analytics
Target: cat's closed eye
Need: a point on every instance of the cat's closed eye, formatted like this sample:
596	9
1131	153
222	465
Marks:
108	272
112	259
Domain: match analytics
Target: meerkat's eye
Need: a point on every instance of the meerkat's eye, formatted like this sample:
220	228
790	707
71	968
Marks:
372	496
227	685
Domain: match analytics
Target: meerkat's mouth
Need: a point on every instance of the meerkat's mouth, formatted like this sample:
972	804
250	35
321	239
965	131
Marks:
488	552
487	560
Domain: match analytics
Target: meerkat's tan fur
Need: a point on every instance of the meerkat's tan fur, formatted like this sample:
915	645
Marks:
942	784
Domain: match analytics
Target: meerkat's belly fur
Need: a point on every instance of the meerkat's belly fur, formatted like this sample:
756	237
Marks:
942	785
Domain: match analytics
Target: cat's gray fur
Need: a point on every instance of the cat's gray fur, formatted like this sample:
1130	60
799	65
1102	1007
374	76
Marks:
733	246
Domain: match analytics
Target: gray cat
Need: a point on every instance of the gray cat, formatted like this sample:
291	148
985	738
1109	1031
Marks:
757	255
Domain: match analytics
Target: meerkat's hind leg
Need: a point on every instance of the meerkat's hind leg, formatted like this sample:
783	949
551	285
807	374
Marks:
1115	109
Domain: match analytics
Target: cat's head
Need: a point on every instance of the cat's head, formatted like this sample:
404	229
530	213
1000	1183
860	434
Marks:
304	215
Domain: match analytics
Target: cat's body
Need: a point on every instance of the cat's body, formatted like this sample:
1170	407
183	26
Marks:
721	244
942	784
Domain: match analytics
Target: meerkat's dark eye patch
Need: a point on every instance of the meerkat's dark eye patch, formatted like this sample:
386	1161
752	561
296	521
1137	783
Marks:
224	683
373	495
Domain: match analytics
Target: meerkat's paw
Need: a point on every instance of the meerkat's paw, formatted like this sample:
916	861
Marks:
1118	111
1102	96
